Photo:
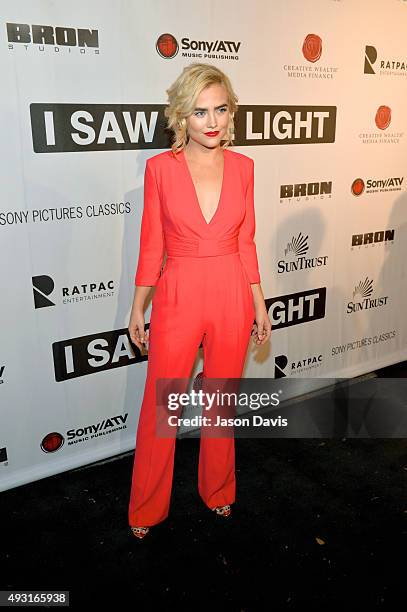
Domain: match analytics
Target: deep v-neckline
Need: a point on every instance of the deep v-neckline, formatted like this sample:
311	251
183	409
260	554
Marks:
195	193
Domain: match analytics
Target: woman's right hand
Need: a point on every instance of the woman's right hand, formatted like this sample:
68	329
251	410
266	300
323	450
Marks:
138	335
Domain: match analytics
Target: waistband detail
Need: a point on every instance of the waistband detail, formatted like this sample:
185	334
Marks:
177	246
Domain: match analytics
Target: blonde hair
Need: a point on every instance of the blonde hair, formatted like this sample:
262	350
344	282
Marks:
182	96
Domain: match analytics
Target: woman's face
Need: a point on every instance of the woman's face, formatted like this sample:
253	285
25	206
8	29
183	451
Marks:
211	114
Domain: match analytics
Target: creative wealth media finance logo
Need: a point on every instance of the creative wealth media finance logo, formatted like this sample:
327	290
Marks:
58	128
295	256
2	368
379	185
382	119
372	239
283	366
44	295
167	47
305	192
297	308
312	52
382	65
58	40
362	300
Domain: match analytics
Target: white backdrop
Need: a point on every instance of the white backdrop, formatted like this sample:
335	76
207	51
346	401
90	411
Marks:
322	90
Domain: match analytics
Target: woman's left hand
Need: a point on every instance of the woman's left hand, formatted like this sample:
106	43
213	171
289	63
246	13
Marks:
261	330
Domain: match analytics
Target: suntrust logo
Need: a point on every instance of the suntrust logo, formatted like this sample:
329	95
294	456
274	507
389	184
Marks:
295	259
362	300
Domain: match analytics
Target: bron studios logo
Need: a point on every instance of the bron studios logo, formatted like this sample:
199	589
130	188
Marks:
45	296
295	256
304	192
362	299
371	239
167	47
62	39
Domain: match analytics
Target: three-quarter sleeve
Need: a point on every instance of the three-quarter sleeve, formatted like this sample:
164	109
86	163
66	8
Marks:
151	252
247	247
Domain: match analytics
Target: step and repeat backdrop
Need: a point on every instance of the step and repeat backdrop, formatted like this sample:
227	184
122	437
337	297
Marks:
322	87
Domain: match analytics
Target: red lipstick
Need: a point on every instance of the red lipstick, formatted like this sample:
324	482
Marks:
211	134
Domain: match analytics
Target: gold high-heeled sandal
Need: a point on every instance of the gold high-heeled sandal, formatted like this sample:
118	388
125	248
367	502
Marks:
223	510
140	532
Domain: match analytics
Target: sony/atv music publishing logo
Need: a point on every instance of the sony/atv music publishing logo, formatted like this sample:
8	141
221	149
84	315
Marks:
376	185
167	47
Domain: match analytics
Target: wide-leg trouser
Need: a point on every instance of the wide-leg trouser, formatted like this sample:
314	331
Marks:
197	299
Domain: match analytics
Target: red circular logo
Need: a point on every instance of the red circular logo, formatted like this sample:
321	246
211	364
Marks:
383	117
52	442
358	187
312	47
167	46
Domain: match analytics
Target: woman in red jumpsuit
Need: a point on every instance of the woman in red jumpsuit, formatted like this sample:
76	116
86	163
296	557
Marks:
199	210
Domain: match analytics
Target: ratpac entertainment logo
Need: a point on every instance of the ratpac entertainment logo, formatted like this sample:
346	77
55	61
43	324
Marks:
283	367
43	287
383	66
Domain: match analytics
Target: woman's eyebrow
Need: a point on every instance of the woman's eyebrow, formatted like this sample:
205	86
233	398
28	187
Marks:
216	107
